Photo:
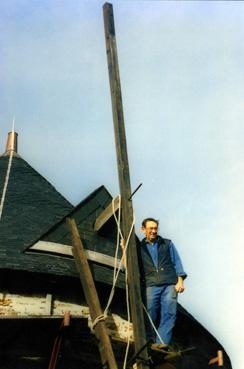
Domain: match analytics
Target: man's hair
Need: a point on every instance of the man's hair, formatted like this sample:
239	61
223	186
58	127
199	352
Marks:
144	222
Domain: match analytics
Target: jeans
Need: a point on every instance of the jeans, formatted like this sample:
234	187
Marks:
161	304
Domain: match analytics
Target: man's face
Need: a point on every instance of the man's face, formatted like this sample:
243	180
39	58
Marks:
150	231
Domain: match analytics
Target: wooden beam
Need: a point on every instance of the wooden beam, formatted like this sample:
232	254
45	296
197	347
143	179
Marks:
124	183
106	214
104	344
13	306
66	250
48	304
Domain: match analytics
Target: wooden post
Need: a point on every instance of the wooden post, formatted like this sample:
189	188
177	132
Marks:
124	182
104	344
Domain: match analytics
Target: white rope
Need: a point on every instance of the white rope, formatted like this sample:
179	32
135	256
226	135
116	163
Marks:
153	325
124	259
118	233
128	317
98	319
116	274
117	271
5	186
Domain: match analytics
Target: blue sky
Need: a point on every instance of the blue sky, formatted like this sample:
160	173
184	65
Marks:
182	76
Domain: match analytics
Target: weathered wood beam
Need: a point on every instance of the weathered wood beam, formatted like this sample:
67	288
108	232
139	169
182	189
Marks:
66	250
48	304
124	183
13	306
106	214
104	344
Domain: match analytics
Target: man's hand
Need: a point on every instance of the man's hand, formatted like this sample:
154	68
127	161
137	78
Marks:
179	287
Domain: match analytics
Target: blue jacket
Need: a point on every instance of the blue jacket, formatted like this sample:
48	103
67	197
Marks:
169	264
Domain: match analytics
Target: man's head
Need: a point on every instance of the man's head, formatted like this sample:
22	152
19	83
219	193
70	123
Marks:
150	229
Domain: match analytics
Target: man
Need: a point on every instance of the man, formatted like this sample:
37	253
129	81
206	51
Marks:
162	278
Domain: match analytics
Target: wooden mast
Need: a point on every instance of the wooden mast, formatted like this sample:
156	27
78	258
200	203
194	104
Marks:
124	183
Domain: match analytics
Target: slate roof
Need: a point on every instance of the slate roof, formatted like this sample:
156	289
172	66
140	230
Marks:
34	210
32	205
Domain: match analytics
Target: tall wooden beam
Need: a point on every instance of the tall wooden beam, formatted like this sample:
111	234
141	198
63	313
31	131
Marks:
124	182
104	344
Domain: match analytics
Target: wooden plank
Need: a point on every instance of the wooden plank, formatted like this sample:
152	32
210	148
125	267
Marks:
106	214
124	182
66	250
104	344
25	305
13	306
48	304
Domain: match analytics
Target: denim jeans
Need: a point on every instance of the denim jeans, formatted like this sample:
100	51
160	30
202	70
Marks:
161	304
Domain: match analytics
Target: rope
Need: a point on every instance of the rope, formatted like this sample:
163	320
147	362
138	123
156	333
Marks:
152	324
98	319
116	274
5	186
119	233
128	315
